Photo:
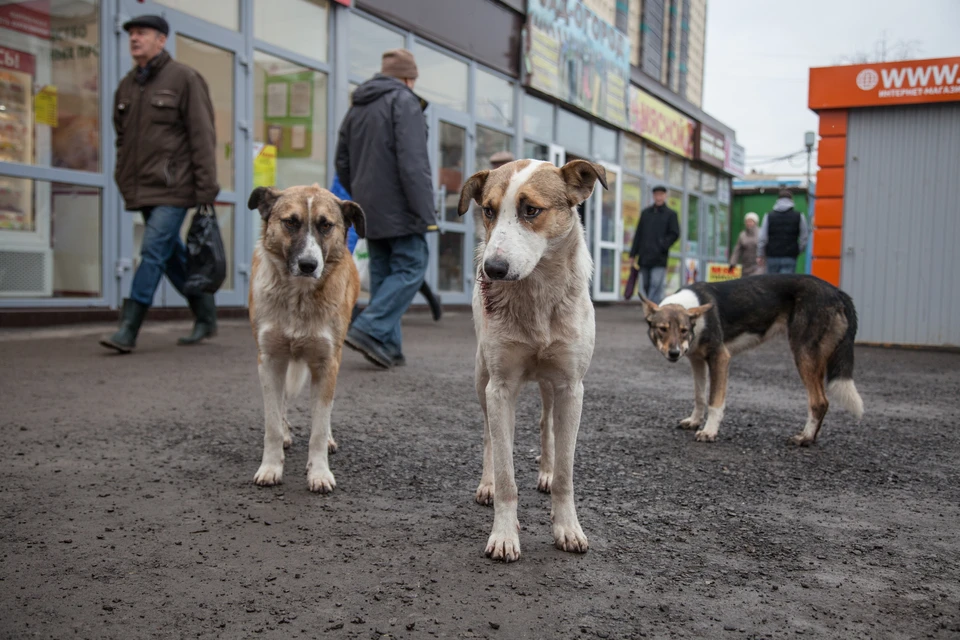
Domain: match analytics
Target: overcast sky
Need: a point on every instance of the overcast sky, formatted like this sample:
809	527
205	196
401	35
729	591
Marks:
759	53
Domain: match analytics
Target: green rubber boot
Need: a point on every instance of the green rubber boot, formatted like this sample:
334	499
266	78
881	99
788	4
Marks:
131	317
205	311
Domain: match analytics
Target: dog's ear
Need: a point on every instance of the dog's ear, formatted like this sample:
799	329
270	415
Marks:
696	312
353	214
580	177
472	190
649	308
263	198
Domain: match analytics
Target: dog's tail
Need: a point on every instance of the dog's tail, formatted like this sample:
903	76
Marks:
840	386
297	374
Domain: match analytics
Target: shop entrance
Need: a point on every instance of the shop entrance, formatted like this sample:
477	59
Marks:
217	53
451	148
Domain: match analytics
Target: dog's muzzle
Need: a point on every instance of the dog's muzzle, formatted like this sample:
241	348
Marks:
673	355
497	269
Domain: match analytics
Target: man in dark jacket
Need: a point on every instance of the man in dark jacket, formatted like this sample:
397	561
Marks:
166	163
656	232
783	236
382	162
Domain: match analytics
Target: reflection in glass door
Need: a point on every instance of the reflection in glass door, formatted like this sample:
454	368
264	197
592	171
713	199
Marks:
607	234
454	250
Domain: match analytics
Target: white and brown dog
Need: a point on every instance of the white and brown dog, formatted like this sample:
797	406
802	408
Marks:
303	287
534	322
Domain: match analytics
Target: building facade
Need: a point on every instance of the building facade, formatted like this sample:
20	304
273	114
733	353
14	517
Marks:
541	82
668	43
886	218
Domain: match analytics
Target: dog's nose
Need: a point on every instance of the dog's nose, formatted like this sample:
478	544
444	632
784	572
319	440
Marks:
674	354
496	269
307	265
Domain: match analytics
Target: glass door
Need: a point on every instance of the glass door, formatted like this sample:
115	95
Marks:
216	51
607	232
451	142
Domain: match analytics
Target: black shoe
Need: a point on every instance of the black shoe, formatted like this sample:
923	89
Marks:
204	309
399	360
369	348
131	317
433	300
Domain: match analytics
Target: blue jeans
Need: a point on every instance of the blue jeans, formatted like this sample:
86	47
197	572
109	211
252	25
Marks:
397	267
653	280
161	252
781	265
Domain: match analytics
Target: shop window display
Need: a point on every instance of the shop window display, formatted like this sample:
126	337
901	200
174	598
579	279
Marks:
490	142
632	154
676	171
655	163
536	151
297	25
631	198
494	99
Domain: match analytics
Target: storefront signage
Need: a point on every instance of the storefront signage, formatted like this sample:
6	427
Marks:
885	83
661	124
17	61
735	162
32	17
574	55
719	272
345	3
711	146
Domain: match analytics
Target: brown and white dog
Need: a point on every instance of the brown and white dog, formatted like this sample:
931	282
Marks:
303	286
534	322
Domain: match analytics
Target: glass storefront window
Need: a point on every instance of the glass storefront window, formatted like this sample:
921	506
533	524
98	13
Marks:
675	202
693	179
443	80
693	224
655	163
494	99
450	262
631	200
297	25
453	156
676	171
366	44
573	132
50	236
708	243
490	142
632	154
537	118
723	232
536	151
608	274
673	275
216	67
50	86
608	210
225	13
709	183
290	114
605	144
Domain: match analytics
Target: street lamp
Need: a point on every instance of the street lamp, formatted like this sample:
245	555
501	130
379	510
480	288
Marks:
808	140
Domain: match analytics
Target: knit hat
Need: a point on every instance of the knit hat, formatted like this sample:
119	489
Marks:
399	63
501	158
752	216
785	193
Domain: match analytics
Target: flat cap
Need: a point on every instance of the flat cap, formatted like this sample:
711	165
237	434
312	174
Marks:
501	157
659	187
153	22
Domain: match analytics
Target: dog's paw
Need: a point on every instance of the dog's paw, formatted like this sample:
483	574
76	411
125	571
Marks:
485	493
570	538
690	423
505	548
801	440
331	446
544	481
705	436
268	475
321	481
287	434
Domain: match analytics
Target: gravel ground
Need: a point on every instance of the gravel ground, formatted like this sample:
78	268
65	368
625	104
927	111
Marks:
129	510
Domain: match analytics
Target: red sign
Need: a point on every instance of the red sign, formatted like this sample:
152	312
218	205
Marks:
17	60
31	17
883	83
345	3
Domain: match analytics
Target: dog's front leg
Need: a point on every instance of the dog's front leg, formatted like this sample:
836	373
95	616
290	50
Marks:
485	489
719	367
545	477
567	534
273	372
699	367
504	541
322	389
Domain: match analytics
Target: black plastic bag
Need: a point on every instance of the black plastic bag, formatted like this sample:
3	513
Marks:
206	258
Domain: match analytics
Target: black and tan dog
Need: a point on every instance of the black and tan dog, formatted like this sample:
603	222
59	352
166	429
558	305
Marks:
711	322
303	286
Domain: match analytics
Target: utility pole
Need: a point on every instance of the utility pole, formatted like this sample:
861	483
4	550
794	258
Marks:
808	140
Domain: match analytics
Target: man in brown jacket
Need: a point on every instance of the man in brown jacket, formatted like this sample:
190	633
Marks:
166	163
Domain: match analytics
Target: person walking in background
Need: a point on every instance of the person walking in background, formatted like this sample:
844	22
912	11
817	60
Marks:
783	236
166	163
382	162
745	251
657	230
433	300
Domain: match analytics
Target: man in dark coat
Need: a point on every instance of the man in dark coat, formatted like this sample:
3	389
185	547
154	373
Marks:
783	236
382	162
656	232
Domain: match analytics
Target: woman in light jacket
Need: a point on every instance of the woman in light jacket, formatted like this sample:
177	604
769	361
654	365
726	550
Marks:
745	253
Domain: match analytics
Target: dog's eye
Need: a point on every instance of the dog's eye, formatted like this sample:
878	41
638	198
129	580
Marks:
325	226
662	329
488	213
531	212
292	224
684	331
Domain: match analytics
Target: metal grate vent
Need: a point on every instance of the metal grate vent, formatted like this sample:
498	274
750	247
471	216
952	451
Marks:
22	273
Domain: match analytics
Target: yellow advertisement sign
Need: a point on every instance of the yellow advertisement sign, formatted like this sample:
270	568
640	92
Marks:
45	106
654	120
264	165
720	272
